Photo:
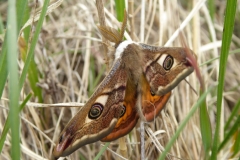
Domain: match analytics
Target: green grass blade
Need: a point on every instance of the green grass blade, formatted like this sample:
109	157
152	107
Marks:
206	130
12	58
3	55
234	113
33	44
102	151
226	40
120	6
183	124
27	30
1	26
6	126
3	66
236	146
230	133
213	59
21	8
211	7
33	72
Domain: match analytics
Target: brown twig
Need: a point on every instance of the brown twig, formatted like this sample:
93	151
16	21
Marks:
105	42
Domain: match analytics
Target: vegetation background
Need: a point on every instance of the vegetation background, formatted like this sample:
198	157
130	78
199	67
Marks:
51	52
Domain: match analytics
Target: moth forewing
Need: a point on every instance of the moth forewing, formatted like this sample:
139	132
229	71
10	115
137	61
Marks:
129	118
98	116
165	67
66	148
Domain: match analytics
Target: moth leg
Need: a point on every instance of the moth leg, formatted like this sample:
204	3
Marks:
139	107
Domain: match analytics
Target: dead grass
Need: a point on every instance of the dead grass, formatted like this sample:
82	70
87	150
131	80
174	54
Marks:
69	57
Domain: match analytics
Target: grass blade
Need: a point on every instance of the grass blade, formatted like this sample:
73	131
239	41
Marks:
3	65
33	44
102	150
211	6
21	8
234	113
12	57
1	26
6	126
3	57
183	124
226	40
206	129
230	133
236	146
120	6
33	72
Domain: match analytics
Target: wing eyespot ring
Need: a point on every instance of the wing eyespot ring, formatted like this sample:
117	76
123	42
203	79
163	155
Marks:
123	111
95	111
152	93
168	62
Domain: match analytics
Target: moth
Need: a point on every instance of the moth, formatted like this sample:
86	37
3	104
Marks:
137	86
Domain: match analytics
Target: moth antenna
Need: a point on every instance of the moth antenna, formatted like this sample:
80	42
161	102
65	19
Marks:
124	24
110	34
193	61
194	90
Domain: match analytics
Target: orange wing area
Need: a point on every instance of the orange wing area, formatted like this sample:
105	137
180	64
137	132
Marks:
151	104
151	107
128	121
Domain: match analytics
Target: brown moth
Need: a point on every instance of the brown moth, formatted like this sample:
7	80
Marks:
138	85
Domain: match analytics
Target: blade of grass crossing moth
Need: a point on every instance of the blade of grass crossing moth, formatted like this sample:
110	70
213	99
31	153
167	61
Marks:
120	6
226	40
33	44
183	124
6	126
